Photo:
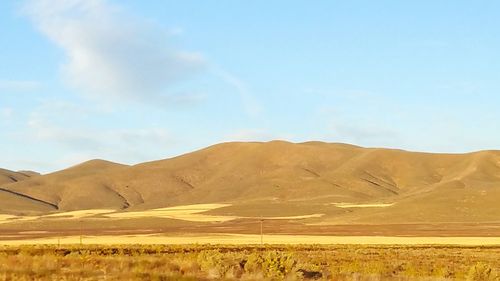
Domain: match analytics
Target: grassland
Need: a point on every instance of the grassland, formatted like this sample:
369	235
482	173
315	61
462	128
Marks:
192	213
243	239
226	262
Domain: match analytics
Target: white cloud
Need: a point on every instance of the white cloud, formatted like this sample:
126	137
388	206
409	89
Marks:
6	112
360	118
250	104
367	134
126	145
112	55
251	135
18	86
80	132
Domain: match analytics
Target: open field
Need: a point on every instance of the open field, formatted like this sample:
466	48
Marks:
185	212
192	213
229	262
202	220
249	239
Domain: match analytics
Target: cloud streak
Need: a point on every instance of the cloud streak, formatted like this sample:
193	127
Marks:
6	114
250	104
18	86
112	55
87	143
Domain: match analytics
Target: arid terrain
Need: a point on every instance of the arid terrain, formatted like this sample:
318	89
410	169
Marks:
311	188
222	262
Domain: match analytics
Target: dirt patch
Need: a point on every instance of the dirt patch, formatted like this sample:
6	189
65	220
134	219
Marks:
371	205
79	214
186	212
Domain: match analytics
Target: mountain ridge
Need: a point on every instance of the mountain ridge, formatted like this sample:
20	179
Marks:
280	172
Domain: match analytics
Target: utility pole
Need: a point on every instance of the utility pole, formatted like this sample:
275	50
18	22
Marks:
261	231
81	233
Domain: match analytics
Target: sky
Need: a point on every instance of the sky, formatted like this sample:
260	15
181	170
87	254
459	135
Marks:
133	81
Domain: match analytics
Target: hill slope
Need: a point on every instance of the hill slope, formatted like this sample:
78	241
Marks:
75	188
18	203
285	177
7	176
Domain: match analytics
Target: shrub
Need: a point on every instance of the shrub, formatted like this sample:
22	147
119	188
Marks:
278	264
482	272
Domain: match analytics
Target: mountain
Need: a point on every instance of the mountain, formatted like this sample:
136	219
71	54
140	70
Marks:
283	178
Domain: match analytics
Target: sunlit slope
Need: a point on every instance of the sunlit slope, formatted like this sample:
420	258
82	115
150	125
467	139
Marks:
314	171
79	187
11	202
243	172
20	204
7	176
308	176
468	190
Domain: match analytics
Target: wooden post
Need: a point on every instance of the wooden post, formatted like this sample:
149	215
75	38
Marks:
261	231
81	233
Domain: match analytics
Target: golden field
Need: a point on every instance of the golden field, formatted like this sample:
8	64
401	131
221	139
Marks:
230	262
245	239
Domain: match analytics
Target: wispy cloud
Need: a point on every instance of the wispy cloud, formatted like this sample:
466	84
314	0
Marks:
250	104
6	112
18	86
6	115
113	55
251	135
126	145
365	134
354	117
75	130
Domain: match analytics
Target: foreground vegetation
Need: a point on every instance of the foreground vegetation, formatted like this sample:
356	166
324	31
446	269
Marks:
203	262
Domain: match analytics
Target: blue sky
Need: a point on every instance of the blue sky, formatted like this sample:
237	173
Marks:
132	81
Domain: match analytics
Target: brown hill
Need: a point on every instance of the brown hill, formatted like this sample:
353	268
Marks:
7	176
285	178
18	203
78	187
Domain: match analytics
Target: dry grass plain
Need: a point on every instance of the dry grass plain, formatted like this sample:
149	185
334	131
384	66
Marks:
192	213
230	262
248	239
